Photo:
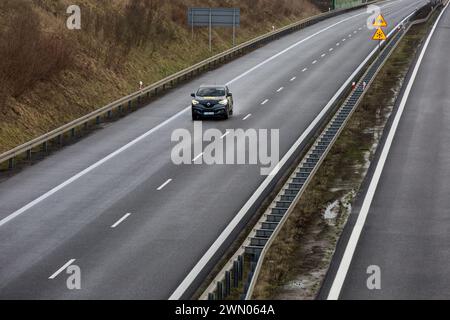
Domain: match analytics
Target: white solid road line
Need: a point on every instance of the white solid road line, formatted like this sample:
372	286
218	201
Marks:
120	220
199	266
162	124
357	229
293	78
247	116
170	180
68	263
305	69
87	170
280	89
265	101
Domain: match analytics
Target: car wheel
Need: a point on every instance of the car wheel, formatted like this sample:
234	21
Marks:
194	117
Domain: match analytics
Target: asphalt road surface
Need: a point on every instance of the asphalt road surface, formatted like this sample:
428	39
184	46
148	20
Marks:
166	217
406	234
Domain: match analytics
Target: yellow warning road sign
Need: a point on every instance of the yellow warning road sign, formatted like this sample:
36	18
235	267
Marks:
380	22
379	35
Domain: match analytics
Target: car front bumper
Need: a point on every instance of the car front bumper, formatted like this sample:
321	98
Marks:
215	111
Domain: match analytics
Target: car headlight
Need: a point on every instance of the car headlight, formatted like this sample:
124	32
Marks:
223	102
195	102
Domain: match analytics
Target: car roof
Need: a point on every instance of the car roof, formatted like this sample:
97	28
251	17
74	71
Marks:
212	86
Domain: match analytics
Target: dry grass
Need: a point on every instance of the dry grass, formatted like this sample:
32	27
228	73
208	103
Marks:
63	74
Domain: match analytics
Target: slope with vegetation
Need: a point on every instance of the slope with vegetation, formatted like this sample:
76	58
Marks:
50	75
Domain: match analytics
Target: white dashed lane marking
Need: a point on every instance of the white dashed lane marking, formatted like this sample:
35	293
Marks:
120	220
169	180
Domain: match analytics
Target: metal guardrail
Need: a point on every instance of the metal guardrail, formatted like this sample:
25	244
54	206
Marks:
261	237
161	85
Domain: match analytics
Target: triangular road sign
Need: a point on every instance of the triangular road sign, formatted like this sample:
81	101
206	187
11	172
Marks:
380	22
379	35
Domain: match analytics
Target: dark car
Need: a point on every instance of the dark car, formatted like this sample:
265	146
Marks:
212	102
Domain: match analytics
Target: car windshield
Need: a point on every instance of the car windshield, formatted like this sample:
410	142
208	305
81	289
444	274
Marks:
211	92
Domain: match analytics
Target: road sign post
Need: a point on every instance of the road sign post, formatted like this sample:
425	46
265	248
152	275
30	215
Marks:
210	29
192	24
214	17
234	27
379	35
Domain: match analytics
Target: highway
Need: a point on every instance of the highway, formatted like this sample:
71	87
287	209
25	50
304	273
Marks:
140	227
403	219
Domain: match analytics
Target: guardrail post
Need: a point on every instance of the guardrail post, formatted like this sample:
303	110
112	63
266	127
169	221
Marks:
72	132
241	267
235	274
219	289
246	286
45	147
227	283
253	265
109	114
97	120
11	163
29	154
210	296
129	105
59	139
